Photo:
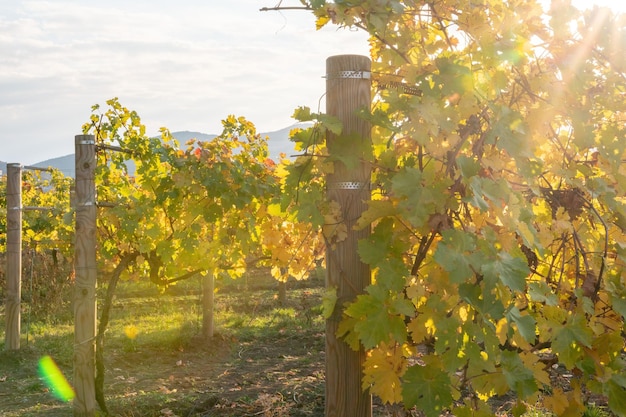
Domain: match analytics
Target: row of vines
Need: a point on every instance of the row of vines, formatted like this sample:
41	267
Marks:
498	207
47	243
168	212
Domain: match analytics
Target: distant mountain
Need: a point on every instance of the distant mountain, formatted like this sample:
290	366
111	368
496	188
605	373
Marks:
278	143
65	164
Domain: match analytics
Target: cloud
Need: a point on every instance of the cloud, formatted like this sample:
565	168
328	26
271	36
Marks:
184	65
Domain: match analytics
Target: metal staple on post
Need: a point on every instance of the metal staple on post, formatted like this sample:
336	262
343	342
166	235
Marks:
363	75
348	185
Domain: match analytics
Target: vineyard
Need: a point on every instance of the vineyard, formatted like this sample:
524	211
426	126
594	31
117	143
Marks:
462	197
266	356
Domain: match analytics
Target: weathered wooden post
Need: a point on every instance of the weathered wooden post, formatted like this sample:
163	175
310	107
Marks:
208	305
14	256
348	89
86	274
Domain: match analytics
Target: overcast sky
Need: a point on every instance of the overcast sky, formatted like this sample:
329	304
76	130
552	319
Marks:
182	64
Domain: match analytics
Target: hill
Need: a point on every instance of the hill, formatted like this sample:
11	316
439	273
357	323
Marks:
278	143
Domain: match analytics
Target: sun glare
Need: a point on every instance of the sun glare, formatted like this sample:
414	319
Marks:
615	5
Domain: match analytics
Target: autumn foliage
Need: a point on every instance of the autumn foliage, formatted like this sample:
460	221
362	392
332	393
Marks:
498	209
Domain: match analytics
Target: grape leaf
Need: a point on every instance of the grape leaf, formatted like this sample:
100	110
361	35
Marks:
382	371
615	389
511	271
526	324
518	377
452	254
428	388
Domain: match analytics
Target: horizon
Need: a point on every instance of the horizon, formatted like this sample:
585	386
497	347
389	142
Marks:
58	160
186	65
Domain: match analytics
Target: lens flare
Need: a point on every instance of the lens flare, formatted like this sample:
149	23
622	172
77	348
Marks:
55	380
131	331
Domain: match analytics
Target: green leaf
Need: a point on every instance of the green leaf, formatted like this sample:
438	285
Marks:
374	250
540	292
346	331
510	131
483	301
526	324
349	150
615	389
331	123
376	209
379	314
391	275
569	339
303	114
469	166
373	321
453	77
472	408
518	377
383	251
511	271
400	305
421	194
428	388
329	299
453	254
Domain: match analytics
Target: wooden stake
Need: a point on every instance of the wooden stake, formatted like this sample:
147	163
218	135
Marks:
14	256
208	305
348	89
86	274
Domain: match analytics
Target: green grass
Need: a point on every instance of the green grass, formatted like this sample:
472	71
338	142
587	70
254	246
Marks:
591	410
149	330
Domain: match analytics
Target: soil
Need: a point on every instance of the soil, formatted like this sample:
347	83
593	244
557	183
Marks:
271	376
226	377
229	378
221	378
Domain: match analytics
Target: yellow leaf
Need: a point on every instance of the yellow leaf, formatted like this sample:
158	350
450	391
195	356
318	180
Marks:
531	361
382	371
321	22
489	384
501	330
565	404
329	299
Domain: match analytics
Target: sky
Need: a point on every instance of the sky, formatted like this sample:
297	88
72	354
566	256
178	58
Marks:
184	65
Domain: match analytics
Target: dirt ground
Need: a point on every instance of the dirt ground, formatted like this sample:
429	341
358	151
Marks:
228	378
223	378
275	373
283	377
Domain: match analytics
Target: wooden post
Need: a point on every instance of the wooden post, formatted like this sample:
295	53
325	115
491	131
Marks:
282	293
86	274
348	89
208	305
14	256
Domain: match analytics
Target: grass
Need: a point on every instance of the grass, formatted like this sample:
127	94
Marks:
267	358
156	360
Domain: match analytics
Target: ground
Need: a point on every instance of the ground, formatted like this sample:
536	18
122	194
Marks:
266	359
223	378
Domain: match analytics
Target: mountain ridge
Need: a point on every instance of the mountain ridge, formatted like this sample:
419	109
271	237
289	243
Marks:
278	142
